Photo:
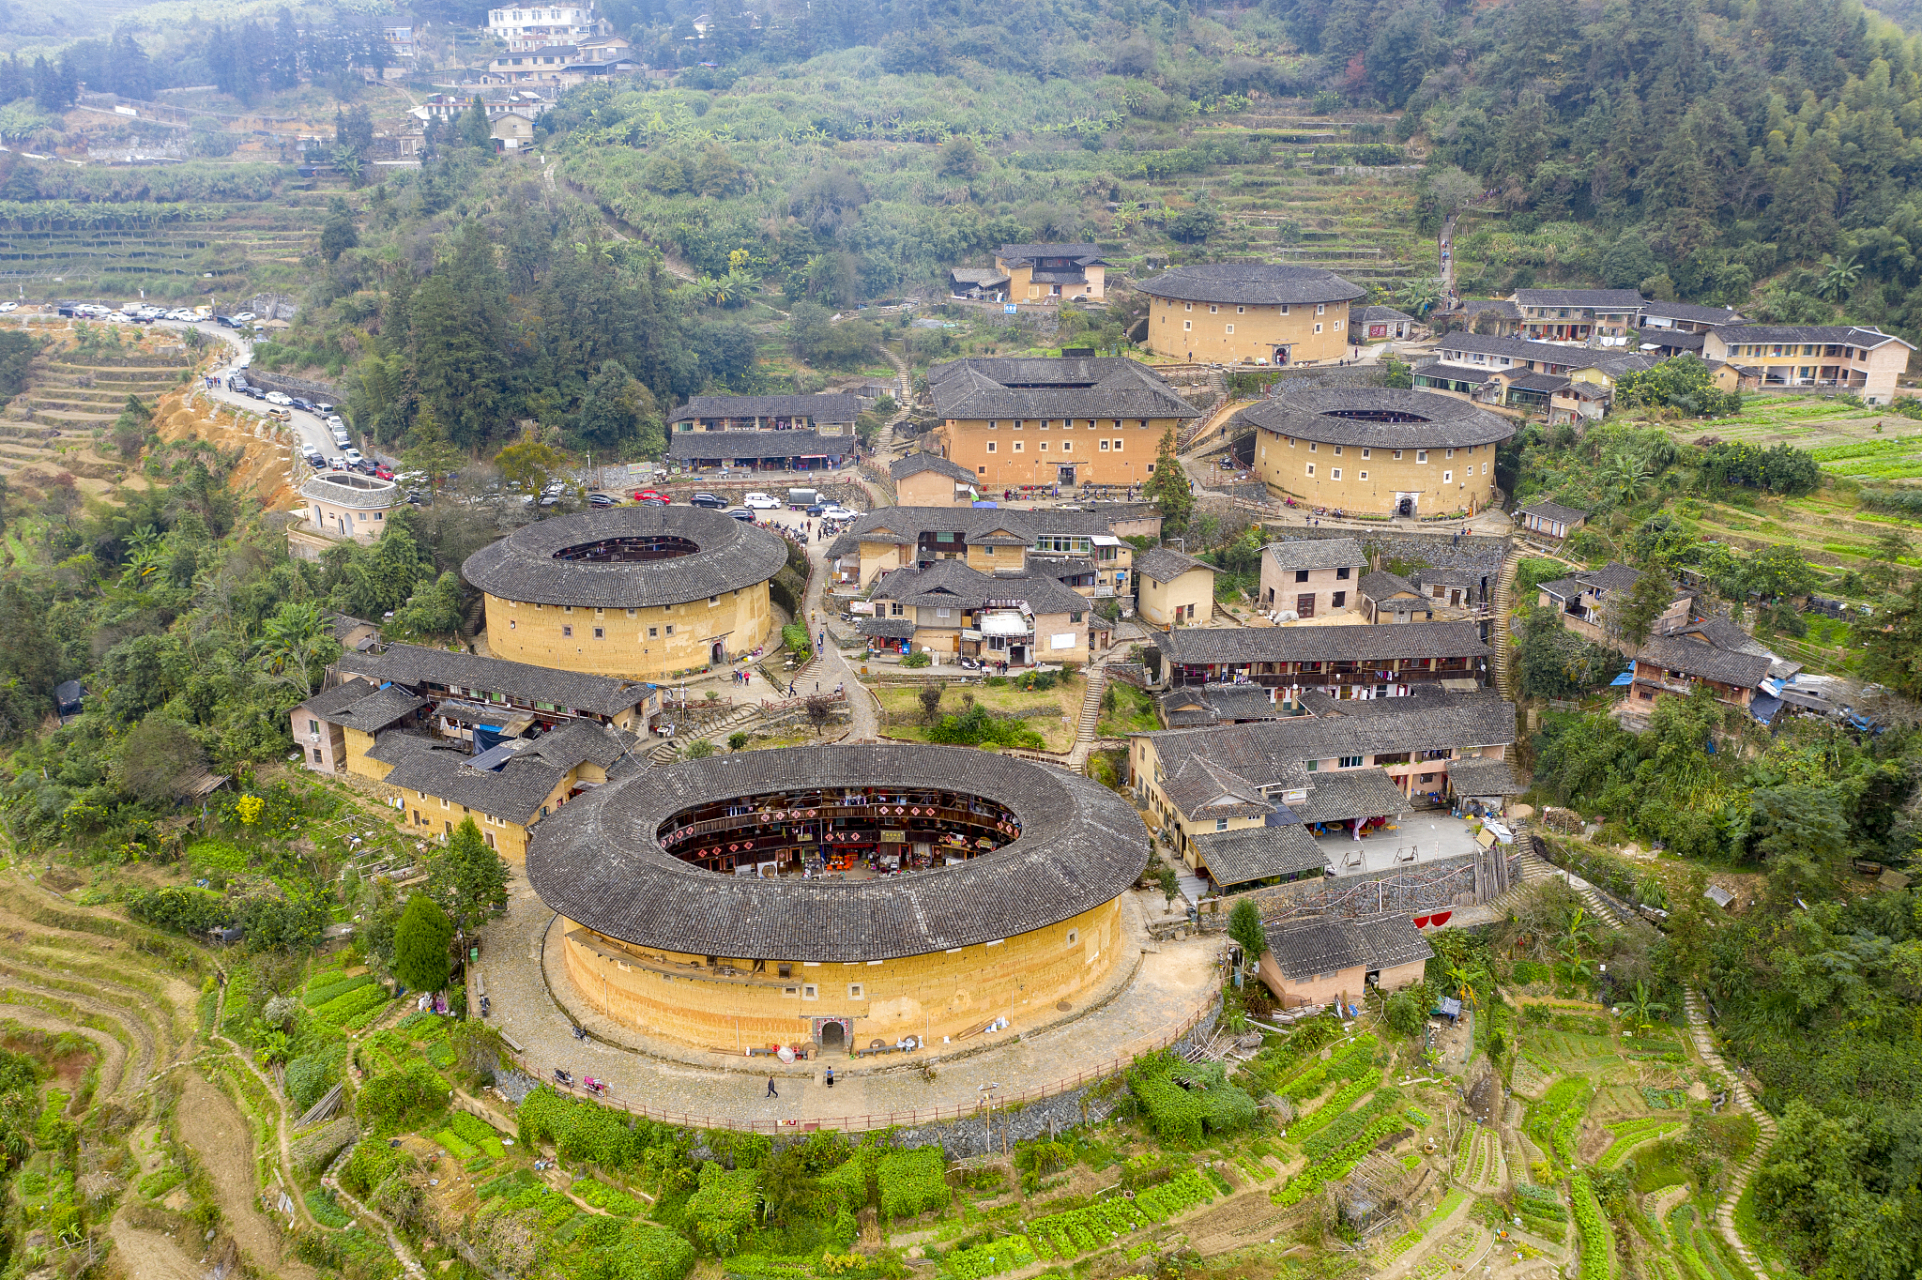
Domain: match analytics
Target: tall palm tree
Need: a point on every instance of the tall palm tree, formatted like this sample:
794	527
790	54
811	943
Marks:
1643	1007
292	641
1839	277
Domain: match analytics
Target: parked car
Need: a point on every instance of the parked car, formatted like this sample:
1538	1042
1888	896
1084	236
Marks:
762	502
816	511
245	317
306	406
743	515
383	472
9	306
600	500
341	438
654	501
836	511
322	406
353	456
708	500
279	397
652	495
365	466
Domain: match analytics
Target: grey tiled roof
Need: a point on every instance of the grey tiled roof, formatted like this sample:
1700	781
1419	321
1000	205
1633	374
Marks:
332	701
757	444
1613	576
1673	653
1304	949
1259	283
1453	372
1085	254
377	710
1165	565
1562	588
1548	510
1203	646
1347	794
1493	306
1615	298
342	625
1032	387
419	667
515	791
1316	553
1204	789
1489	344
1270	754
350	489
1256	853
1482	776
887	628
827	407
915	463
979	277
597	861
1382	313
1535	381
1193	707
972	526
1381	584
1847	335
1434	421
524	565
1690	312
952	582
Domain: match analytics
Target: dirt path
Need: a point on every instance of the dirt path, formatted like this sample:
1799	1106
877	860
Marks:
224	1141
151	1255
281	1119
113	1054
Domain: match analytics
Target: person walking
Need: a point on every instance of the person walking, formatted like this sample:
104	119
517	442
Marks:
830	1077
771	1091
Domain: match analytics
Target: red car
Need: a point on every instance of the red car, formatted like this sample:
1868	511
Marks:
383	473
651	495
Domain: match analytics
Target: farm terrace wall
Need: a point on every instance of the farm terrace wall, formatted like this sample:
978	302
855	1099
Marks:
941	994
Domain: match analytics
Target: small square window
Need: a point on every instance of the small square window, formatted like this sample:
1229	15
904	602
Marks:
1451	453
1067	446
1337	451
1104	446
1334	473
1187	325
567	631
857	991
810	992
1074	936
1017	446
1117	446
600	633
1311	468
1320	308
1221	824
1241	311
1317	328
670	628
1212	309
1448	477
653	633
1366	454
1301	575
1421	455
1044	446
1362	475
1398	455
1229	329
1339	599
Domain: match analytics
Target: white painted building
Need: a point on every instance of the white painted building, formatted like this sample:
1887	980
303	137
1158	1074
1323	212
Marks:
536	27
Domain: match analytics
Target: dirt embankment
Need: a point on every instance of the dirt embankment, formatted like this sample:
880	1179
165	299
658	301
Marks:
224	1141
264	470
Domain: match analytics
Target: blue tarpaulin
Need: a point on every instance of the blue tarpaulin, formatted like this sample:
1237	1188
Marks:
1623	680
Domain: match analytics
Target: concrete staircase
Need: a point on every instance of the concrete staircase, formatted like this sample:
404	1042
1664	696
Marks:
1091	706
1498	636
1764	1138
716	733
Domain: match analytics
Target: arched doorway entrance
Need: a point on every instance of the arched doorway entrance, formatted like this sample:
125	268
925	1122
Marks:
833	1033
719	652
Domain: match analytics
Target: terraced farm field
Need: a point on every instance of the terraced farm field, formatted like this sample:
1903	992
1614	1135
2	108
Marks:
74	395
244	245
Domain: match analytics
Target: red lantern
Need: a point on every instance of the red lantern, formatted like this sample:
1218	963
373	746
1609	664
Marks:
1421	922
1440	918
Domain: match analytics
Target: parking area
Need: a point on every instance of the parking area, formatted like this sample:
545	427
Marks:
1419	837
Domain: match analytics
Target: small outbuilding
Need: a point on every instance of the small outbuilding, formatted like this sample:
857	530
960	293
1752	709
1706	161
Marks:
1551	521
1325	958
1173	588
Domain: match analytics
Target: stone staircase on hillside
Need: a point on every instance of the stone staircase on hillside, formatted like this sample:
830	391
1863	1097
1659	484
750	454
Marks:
715	732
1764	1132
1216	419
1091	705
1499	635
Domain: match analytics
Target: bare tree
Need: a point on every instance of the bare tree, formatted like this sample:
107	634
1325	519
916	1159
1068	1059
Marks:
930	703
820	709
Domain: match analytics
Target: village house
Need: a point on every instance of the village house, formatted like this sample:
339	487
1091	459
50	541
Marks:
1677	328
1311	578
504	698
1676	665
355	709
1496	317
339	506
1174	589
1247	802
1343	662
1563	383
780	432
538	26
1045	273
1388	598
1250	313
952	611
978	283
1865	361
1198	706
1043	422
1318	961
1372	324
1584	599
1550	522
989	540
1578	315
511	131
930	480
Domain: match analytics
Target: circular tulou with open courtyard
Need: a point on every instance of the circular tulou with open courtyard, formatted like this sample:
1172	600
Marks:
641	593
844	897
1378	449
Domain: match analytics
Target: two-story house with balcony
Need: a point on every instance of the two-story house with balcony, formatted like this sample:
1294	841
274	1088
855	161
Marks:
1672	328
950	610
1676	665
1865	361
537	26
1578	315
1583	601
1080	544
779	433
1355	662
1051	273
1312	579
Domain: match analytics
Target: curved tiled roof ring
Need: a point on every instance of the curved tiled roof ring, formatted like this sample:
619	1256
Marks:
1431	421
524	564
598	861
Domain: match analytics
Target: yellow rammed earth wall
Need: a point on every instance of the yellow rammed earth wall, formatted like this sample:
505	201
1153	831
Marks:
1358	479
678	997
1228	333
638	644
